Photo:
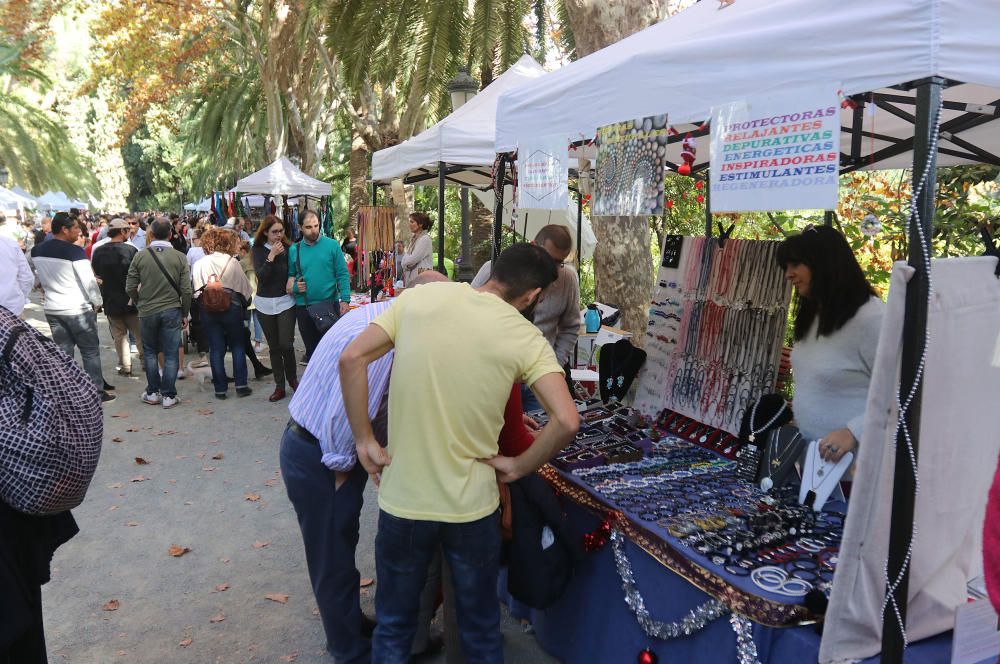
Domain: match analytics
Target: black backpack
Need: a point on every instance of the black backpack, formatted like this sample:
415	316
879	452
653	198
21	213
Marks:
51	423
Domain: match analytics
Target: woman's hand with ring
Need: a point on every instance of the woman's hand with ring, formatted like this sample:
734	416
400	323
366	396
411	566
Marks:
836	445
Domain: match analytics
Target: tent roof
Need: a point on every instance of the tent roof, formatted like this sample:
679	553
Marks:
16	200
29	200
463	140
706	56
282	177
55	200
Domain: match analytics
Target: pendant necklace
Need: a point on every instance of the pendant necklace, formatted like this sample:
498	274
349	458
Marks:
766	483
753	416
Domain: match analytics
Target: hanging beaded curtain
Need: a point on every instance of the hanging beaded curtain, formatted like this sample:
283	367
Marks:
376	246
716	327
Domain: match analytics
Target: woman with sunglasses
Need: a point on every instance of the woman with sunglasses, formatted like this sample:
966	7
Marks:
838	316
275	308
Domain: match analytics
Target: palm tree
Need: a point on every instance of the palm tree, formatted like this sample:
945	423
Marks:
34	148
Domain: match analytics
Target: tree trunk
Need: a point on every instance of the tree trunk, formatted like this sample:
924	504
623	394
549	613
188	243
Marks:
623	270
481	220
358	168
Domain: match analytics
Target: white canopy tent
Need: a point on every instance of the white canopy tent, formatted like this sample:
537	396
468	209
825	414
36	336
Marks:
282	177
30	201
894	59
55	201
463	141
12	201
706	56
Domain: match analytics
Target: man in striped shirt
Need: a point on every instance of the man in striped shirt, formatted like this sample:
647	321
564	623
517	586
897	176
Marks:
325	482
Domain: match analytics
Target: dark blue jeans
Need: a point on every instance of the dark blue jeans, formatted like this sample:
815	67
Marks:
403	551
224	329
329	521
161	333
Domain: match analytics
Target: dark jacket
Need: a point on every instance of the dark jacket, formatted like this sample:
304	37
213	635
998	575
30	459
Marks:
271	277
110	262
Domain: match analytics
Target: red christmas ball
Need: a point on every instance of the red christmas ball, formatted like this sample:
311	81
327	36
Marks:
700	184
700	198
670	205
647	656
684	169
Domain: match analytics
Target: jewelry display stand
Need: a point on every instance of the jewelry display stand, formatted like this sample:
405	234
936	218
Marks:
820	477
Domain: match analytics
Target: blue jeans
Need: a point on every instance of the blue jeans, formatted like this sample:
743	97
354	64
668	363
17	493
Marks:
222	329
329	521
529	401
79	330
161	333
255	329
403	550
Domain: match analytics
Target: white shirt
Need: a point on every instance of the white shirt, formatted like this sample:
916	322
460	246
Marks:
272	306
193	254
14	292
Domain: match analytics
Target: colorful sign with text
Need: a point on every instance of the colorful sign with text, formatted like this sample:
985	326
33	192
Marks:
542	172
780	152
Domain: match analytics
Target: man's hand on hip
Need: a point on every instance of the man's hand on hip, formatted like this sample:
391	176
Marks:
373	458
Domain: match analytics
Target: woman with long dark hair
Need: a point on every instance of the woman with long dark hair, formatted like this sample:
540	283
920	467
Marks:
275	308
419	251
838	316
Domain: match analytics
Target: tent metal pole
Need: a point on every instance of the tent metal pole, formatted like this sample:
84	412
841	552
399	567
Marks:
441	174
579	228
828	217
929	93
374	195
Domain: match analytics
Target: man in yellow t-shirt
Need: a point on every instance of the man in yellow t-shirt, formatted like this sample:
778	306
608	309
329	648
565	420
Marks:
457	352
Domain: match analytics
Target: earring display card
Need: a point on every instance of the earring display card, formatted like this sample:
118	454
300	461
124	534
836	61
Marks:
672	246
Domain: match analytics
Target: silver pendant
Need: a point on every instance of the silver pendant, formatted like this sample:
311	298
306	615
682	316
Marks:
751	438
820	472
766	484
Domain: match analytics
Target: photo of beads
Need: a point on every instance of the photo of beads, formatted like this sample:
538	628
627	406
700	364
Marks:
716	327
630	167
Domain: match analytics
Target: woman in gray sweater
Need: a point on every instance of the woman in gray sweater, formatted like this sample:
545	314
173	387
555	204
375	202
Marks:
837	321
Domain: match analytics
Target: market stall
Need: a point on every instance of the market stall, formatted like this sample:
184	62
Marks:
285	189
910	86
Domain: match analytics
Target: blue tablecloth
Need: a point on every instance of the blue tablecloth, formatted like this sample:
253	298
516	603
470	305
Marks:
592	623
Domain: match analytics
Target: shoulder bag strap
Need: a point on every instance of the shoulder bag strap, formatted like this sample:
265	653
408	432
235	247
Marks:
170	280
298	268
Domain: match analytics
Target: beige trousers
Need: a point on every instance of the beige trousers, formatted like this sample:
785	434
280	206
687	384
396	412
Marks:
120	327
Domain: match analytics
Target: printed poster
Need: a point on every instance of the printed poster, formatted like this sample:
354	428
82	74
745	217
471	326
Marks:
779	152
630	157
542	173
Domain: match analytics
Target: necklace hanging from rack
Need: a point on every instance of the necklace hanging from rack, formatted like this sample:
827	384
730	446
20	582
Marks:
753	417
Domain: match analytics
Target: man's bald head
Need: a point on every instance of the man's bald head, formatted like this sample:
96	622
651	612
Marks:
428	277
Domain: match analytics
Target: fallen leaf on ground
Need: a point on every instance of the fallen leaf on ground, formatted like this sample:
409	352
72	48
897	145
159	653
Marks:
139	478
180	457
280	598
200	455
112	508
222	587
365	582
172	481
132	524
122	653
132	430
110	605
116	485
208	469
215	440
177	551
217	618
252	497
117	439
270	482
139	461
260	545
205	411
315	611
168	432
121	415
185	643
290	657
217	456
224	560
188	502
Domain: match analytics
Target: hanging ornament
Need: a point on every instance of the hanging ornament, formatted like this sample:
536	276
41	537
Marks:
700	198
699	185
688	151
870	225
647	656
670	205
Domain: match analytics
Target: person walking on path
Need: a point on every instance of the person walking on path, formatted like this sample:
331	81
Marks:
72	296
111	262
159	283
275	307
418	253
224	328
438	478
250	318
317	273
14	291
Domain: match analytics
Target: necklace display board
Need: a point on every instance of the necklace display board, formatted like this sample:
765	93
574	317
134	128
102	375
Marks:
376	246
716	326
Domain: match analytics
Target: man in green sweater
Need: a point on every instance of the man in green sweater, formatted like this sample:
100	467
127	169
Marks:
317	272
159	284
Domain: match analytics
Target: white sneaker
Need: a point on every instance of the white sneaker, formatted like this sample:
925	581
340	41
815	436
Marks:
132	349
170	402
153	399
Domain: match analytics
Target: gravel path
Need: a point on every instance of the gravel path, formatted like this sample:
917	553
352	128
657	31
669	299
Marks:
203	476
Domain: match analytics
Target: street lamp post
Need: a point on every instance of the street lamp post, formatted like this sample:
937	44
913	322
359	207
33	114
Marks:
180	198
462	88
4	175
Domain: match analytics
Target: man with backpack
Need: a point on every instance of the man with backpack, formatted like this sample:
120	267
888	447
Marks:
319	281
72	297
159	283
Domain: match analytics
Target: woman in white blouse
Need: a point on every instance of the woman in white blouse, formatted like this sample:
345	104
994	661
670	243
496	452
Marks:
418	254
